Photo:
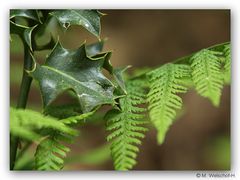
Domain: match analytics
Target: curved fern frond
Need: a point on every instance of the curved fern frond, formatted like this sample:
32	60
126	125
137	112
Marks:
206	75
126	126
25	122
165	83
69	114
50	153
76	119
227	63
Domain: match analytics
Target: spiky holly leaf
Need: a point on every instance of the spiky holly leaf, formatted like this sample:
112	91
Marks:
74	70
24	32
29	14
89	19
118	76
95	48
117	73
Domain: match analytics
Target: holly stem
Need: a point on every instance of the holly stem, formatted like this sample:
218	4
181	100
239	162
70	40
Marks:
22	100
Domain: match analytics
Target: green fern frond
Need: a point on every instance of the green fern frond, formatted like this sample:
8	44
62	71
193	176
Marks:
50	153
227	63
76	119
165	83
25	122
126	126
69	114
206	75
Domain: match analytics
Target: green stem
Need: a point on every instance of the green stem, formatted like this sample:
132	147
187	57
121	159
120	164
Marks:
185	59
22	101
23	150
26	79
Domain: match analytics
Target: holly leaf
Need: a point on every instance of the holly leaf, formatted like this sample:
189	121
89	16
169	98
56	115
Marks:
24	32
117	73
74	70
89	19
119	78
95	48
29	14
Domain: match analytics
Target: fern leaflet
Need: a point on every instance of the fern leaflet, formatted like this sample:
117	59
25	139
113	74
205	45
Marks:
50	153
76	119
126	126
227	63
206	75
25	122
165	83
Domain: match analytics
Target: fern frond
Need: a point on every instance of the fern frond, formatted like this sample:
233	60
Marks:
227	63
165	83
50	153
69	114
206	75
126	126
25	122
76	119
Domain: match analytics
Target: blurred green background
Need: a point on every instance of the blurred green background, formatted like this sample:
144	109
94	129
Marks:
199	139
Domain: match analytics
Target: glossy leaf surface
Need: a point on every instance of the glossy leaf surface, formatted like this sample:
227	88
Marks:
26	13
24	32
74	70
89	19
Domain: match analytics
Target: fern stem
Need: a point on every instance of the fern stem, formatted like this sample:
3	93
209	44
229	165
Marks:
184	60
22	100
217	47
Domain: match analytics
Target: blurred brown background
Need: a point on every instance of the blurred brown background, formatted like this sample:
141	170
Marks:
200	138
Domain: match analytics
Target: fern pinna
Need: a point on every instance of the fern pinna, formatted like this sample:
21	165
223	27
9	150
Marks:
165	84
26	123
207	75
50	153
227	63
126	122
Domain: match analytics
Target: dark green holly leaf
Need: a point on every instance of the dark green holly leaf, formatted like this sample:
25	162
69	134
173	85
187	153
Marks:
74	70
63	111
29	14
49	45
118	76
117	73
95	48
89	19
24	32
